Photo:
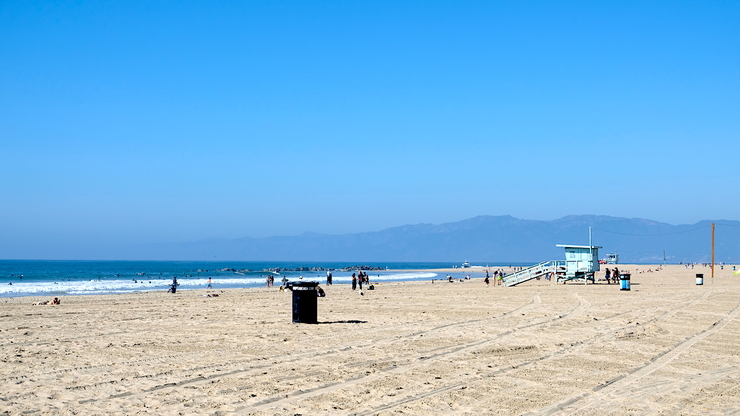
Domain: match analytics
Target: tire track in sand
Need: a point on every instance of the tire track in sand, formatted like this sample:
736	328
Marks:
260	364
600	396
367	378
525	364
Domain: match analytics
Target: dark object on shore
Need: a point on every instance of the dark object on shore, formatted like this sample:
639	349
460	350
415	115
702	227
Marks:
304	301
323	269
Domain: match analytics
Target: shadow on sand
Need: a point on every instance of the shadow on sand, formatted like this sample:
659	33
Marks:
343	322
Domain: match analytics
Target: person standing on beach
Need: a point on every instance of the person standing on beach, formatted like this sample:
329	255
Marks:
328	278
174	285
354	282
208	286
360	278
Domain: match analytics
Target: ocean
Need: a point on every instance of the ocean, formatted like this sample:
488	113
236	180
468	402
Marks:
62	277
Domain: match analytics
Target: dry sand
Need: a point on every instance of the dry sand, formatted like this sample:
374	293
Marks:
666	347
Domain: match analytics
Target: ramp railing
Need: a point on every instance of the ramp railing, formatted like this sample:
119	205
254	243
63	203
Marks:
533	272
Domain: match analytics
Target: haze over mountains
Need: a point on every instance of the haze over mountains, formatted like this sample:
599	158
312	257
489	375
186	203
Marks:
483	239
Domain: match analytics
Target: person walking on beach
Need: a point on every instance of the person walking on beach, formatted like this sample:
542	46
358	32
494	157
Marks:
328	278
354	282
608	276
488	282
208	286
360	278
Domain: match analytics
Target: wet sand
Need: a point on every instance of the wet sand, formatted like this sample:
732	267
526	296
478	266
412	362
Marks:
665	347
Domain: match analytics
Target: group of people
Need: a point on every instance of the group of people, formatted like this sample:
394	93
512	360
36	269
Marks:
498	278
359	278
270	280
611	275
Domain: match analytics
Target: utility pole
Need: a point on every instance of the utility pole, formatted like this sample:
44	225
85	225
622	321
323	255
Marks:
591	247
712	253
590	238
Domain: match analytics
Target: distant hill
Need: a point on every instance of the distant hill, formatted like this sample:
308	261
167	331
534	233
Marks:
481	239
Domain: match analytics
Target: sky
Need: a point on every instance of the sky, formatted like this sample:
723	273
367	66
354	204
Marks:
153	121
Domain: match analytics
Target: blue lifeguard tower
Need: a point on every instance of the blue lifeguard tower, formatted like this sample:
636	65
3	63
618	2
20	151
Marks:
581	262
580	265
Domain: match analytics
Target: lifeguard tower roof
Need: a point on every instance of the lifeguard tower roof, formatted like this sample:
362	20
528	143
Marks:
571	246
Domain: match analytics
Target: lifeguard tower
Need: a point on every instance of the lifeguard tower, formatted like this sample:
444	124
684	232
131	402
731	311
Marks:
581	262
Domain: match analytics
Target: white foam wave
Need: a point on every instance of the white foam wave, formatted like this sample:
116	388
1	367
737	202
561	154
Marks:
126	286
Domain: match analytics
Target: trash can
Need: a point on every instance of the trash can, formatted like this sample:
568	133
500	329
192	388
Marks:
624	281
304	301
699	279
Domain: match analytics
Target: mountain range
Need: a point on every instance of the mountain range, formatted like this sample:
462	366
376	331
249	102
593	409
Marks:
489	239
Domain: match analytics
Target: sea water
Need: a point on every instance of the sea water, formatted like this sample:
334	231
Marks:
54	278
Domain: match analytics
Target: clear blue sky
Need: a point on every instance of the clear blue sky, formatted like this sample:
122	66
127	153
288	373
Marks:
135	122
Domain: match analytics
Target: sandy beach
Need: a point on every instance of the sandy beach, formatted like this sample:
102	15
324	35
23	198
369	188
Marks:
667	347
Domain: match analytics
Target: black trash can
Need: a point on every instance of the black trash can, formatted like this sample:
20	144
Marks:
624	280
304	302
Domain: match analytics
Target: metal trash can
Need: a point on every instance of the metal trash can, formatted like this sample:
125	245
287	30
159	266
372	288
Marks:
624	281
699	279
304	302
